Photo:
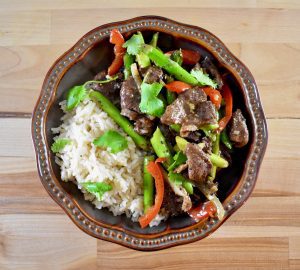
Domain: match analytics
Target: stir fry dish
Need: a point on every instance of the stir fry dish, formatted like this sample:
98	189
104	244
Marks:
149	135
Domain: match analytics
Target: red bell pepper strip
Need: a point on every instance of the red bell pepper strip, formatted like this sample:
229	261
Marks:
214	95
228	107
188	56
177	86
117	39
204	210
156	171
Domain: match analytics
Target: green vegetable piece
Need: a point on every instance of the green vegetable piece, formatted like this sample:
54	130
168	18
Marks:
203	78
97	188
154	40
75	95
171	96
177	57
179	159
216	151
218	161
143	60
133	45
128	61
225	139
101	82
175	127
169	65
178	179
59	144
150	103
123	122
215	159
113	140
181	143
209	130
160	147
148	184
188	186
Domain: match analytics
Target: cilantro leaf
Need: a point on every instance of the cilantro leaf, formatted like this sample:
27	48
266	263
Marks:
75	95
113	140
179	159
203	78
97	188
150	103
59	144
133	45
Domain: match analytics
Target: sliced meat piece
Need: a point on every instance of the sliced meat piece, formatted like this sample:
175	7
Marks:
101	76
181	168
130	99
238	132
204	113
176	112
199	165
144	126
191	110
183	106
212	70
111	89
153	74
176	199
207	145
168	133
194	136
194	95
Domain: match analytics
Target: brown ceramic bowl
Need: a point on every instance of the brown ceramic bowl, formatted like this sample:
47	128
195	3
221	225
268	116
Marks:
92	53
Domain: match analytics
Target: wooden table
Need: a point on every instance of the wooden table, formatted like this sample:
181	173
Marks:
263	234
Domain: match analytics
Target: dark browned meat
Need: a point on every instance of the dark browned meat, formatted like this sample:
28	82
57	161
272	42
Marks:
171	204
238	132
194	95
144	126
153	74
194	136
130	99
111	89
212	70
176	200
176	112
192	110
204	113
207	148
101	76
199	165
168	133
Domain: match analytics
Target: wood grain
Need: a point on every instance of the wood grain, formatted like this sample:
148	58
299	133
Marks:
263	234
242	25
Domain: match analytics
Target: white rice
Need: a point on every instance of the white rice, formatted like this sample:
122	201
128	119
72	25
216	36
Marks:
81	161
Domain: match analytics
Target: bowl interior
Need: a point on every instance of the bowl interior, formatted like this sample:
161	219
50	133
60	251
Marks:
99	57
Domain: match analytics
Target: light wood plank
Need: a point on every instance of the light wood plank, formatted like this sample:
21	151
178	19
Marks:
261	253
15	137
242	25
24	27
294	248
25	243
104	4
26	67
